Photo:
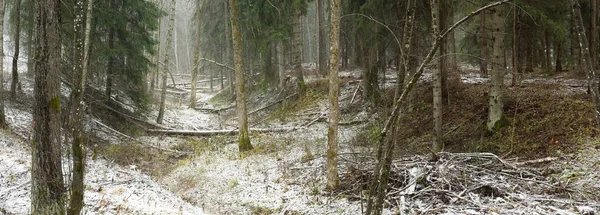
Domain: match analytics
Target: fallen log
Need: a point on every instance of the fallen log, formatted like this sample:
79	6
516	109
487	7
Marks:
197	82
214	132
274	103
211	110
136	140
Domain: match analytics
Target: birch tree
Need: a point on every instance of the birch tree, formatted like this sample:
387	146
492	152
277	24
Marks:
82	46
333	180
587	62
240	100
165	70
47	186
3	123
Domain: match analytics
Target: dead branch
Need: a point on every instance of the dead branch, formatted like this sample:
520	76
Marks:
272	104
215	132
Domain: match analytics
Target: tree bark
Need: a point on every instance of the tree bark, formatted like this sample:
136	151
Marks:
82	46
110	68
321	29
594	34
17	38
333	180
515	66
483	46
558	51
404	65
163	93
236	34
547	59
196	68
496	104
3	123
586	60
437	81
47	187
228	48
297	54
30	37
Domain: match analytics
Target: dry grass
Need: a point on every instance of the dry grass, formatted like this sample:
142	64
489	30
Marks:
542	120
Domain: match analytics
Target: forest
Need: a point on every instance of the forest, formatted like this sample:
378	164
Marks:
300	107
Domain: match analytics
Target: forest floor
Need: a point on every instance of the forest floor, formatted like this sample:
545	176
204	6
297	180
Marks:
547	161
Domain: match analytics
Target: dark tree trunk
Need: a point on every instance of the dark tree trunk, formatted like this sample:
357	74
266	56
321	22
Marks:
15	62
3	123
47	187
558	52
515	64
110	68
321	29
547	59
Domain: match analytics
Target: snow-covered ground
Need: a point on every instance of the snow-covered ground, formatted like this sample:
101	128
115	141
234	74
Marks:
110	188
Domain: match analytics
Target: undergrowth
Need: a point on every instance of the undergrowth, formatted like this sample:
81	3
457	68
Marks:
542	120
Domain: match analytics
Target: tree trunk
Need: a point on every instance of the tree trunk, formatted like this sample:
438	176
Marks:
30	35
280	67
236	34
222	70
333	179
437	81
163	93
371	81
483	46
496	113
228	48
558	52
110	69
154	74
211	76
515	66
15	67
321	29
47	186
586	60
196	46
82	47
594	34
297	54
529	52
547	59
404	65
3	123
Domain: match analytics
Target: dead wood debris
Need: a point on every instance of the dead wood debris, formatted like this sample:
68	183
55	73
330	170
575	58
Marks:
471	183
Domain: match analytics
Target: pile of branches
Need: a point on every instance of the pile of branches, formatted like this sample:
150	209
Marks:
473	183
